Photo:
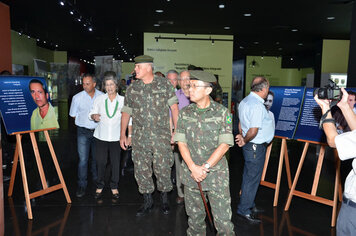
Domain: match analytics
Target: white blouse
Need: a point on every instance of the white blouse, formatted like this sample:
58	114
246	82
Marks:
108	129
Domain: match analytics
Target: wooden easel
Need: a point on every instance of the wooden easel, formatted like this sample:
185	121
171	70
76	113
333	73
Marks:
312	196
18	157
283	155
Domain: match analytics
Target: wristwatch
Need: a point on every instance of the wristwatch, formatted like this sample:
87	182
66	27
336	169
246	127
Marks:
207	165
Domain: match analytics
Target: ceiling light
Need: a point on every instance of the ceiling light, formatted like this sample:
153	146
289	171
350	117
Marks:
294	30
174	40
56	45
28	36
44	41
71	12
130	59
330	18
300	44
291	58
227	27
277	43
247	14
241	47
262	57
61	3
20	33
79	19
256	42
90	29
159	10
38	40
212	42
156	25
221	6
280	49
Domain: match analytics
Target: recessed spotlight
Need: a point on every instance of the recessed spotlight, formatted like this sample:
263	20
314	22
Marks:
28	36
159	10
38	40
300	44
241	47
291	59
247	14
130	35
256	42
280	49
90	29
130	59
221	6
294	30
20	33
44	41
79	19
227	27
330	18
71	12
156	25
85	24
277	43
56	45
61	3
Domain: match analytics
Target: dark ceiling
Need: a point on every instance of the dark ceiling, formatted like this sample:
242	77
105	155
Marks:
268	31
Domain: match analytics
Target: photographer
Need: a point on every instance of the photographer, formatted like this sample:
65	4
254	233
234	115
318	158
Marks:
344	143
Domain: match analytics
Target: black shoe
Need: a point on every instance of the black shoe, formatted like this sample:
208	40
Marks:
165	205
80	192
115	195
98	195
146	206
256	210
250	218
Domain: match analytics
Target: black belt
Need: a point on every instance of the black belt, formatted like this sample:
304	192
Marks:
91	130
348	202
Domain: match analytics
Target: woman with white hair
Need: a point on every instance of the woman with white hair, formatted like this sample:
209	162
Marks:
106	111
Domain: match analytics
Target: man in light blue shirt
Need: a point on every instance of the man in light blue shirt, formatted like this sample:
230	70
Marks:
79	110
256	131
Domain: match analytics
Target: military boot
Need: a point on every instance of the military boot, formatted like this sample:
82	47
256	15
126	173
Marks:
165	204
146	206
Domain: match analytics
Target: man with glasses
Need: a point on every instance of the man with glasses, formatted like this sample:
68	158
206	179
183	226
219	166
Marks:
204	135
183	101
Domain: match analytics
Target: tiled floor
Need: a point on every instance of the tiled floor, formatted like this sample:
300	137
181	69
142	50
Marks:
85	216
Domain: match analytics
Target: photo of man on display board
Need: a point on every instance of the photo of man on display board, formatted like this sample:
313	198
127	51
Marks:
43	116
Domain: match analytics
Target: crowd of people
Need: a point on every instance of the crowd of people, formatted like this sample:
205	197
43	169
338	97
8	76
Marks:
170	119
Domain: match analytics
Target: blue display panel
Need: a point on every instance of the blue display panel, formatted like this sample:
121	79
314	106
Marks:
308	127
17	103
286	109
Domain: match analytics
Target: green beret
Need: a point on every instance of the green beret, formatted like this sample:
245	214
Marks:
202	75
143	59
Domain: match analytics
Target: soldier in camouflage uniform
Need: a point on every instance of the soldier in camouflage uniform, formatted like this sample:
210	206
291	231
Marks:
204	135
148	100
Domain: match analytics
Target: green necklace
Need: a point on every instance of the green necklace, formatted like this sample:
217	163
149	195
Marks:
107	110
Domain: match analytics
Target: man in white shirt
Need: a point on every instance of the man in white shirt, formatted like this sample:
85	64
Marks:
79	110
344	143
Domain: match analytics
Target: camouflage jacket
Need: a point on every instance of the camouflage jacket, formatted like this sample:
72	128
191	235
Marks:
148	104
203	130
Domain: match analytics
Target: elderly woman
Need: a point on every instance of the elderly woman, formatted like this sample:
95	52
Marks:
106	111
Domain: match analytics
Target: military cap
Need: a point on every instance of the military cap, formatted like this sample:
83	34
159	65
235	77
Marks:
143	59
202	75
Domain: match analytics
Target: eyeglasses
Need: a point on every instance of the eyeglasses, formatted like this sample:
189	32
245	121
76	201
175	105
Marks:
193	86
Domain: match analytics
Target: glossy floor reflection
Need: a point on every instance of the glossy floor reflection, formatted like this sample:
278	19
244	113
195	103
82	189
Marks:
85	216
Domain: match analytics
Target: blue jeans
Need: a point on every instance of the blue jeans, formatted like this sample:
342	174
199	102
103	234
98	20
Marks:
85	141
254	161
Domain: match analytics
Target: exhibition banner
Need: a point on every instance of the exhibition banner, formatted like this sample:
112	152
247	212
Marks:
213	53
25	104
285	105
308	127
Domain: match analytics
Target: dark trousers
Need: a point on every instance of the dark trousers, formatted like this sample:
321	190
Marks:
254	155
103	149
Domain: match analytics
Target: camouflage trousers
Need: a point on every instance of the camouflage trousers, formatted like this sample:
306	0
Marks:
220	204
156	157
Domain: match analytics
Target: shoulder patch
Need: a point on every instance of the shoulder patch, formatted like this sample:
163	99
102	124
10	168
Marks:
229	119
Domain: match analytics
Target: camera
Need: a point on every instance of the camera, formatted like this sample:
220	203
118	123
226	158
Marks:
330	92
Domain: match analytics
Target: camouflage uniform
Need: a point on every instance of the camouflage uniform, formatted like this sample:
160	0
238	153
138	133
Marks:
203	130
148	104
